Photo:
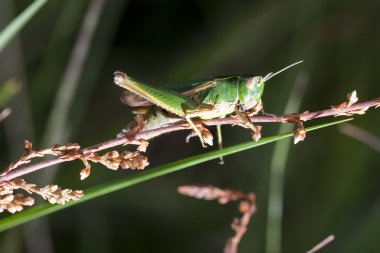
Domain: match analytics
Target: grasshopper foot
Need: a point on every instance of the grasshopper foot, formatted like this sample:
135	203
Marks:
133	127
207	136
189	136
256	135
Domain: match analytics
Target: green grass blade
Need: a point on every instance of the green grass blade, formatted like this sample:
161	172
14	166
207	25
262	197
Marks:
18	23
8	90
277	172
97	191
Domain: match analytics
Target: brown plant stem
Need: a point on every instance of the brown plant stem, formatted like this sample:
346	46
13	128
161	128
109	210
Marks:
335	111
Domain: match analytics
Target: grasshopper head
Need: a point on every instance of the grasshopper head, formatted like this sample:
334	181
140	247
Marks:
254	82
119	77
251	92
256	85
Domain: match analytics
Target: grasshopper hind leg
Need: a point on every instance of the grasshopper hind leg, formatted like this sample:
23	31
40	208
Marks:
196	130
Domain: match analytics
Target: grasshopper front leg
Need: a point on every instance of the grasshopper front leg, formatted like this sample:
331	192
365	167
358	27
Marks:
256	135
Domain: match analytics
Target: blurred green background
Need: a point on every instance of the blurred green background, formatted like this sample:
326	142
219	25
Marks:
64	59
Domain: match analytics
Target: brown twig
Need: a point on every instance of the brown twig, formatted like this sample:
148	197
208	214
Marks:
15	202
71	151
345	110
247	207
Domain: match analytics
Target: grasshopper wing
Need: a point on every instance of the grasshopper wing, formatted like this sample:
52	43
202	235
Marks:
133	100
197	89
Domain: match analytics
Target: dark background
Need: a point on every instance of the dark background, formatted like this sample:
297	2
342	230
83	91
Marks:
331	181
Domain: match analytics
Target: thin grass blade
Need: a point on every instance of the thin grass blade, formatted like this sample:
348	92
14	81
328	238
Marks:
18	23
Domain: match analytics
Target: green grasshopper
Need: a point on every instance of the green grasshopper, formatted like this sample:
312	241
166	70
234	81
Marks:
206	99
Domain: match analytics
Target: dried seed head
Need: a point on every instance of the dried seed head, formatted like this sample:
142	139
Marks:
85	173
352	98
28	201
247	207
14	203
55	195
209	192
256	135
201	192
299	134
58	150
207	136
28	146
6	198
142	144
244	206
66	152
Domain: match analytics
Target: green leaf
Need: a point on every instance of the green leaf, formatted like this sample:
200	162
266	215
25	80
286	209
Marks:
18	23
103	189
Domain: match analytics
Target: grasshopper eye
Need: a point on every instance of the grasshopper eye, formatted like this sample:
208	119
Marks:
254	81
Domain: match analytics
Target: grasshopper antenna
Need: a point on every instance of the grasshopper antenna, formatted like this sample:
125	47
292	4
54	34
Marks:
270	75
